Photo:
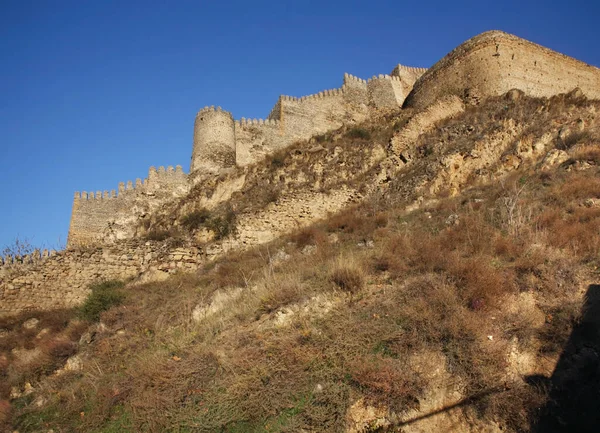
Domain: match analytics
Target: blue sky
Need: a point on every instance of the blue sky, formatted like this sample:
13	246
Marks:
93	93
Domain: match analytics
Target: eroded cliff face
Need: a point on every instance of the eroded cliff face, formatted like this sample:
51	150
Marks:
494	62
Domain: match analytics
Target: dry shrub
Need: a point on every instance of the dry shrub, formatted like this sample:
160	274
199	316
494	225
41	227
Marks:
237	269
4	413
548	218
560	320
471	235
393	253
348	275
309	236
577	186
479	283
387	382
507	247
59	349
356	221
589	154
358	133
347	222
161	234
579	232
279	293
195	219
575	138
515	409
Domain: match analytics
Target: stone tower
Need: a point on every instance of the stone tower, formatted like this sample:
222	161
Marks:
214	141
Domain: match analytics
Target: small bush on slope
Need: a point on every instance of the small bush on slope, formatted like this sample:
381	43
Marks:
104	295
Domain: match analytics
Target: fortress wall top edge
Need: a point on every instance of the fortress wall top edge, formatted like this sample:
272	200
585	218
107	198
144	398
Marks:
129	187
34	257
209	109
495	62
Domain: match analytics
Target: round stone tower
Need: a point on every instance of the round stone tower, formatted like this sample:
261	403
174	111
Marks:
214	141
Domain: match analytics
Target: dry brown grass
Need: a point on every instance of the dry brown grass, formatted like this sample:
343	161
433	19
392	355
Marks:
386	381
347	274
309	236
589	154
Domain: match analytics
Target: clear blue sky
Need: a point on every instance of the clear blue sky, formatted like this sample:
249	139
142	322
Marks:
93	93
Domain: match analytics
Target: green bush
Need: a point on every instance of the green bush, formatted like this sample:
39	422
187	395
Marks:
158	235
195	219
222	226
104	295
360	133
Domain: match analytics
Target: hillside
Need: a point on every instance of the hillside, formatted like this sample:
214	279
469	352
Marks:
425	270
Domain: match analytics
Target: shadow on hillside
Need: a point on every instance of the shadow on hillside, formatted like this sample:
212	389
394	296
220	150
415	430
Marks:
464	402
574	397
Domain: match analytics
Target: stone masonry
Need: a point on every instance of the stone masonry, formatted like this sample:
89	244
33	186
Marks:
61	279
495	62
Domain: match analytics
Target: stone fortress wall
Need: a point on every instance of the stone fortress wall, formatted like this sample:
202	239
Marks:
221	142
108	215
495	62
50	280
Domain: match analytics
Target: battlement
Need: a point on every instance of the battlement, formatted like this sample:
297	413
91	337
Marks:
94	212
400	70
351	79
243	122
36	256
159	175
212	109
221	142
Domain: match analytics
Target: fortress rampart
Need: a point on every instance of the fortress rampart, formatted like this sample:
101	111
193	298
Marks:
292	119
486	65
220	142
108	215
494	62
61	279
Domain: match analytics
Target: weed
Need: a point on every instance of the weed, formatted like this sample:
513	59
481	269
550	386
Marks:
277	159
308	236
574	138
159	235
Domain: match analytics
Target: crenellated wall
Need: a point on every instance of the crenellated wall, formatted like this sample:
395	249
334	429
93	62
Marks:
220	143
292	119
109	215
